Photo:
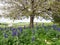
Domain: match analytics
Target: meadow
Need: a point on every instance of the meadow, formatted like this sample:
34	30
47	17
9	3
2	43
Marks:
41	34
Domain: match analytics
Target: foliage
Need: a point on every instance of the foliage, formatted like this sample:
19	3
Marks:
19	8
35	36
56	11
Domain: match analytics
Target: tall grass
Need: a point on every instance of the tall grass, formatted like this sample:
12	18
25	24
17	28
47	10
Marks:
25	36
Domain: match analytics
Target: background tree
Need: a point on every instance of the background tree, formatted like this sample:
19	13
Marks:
56	11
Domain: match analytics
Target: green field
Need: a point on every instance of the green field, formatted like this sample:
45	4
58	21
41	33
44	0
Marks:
39	35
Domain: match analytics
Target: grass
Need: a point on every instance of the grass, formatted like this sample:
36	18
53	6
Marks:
27	24
36	36
23	23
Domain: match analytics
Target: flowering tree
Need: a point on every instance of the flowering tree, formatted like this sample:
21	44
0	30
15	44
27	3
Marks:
30	8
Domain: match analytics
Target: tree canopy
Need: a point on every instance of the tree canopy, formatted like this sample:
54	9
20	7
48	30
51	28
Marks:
56	11
47	9
27	7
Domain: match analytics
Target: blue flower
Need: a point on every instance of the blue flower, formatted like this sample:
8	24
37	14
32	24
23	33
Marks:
14	29
20	28
5	35
14	33
58	29
54	26
33	38
1	29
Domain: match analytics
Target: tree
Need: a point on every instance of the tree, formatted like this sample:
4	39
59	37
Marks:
30	8
5	8
56	11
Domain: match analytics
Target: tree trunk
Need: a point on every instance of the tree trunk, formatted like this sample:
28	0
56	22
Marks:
31	21
32	15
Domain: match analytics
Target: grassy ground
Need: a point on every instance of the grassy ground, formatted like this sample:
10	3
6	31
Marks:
27	24
26	36
24	23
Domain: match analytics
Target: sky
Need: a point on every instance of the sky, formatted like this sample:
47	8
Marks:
7	20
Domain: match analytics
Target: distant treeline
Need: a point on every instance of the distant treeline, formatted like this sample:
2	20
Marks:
3	24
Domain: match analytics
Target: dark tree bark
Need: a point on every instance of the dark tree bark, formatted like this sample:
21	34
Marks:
32	15
31	21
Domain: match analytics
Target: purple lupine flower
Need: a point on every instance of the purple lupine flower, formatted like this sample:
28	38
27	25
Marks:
58	29
14	29
1	29
14	33
54	26
5	35
33	38
45	27
20	28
